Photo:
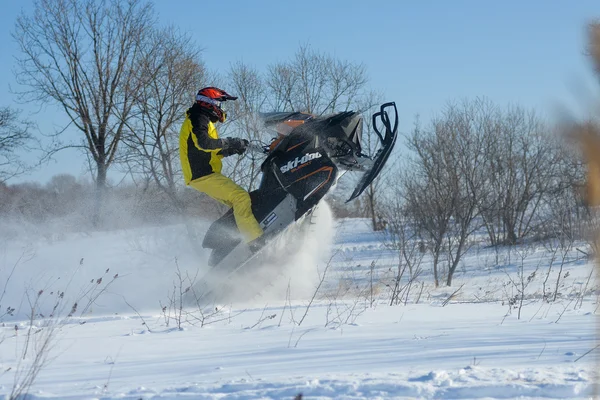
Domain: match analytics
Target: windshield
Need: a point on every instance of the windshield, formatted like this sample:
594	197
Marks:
284	122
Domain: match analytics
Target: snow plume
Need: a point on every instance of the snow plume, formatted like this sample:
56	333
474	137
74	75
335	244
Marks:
293	267
143	269
103	272
300	272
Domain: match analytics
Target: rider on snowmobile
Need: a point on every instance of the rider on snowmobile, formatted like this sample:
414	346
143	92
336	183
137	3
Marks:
201	151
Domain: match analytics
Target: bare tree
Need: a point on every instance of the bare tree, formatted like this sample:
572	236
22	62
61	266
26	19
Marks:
65	194
522	167
345	86
310	70
247	83
402	237
429	192
564	208
171	71
280	80
449	174
315	83
83	55
15	137
464	129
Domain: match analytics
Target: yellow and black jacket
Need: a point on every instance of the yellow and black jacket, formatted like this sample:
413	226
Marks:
199	145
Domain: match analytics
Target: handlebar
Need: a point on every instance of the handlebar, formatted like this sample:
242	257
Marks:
254	147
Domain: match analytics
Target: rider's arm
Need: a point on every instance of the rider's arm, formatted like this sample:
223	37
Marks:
200	129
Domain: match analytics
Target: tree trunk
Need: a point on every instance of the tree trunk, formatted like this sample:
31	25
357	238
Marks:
100	193
371	207
511	236
451	270
436	256
456	260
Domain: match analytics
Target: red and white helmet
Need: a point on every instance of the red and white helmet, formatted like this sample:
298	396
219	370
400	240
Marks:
210	98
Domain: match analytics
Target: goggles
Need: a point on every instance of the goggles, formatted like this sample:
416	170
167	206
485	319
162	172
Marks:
208	100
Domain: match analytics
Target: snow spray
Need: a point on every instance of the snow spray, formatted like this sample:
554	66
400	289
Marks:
303	254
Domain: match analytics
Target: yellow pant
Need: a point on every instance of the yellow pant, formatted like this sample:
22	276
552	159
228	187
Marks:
221	188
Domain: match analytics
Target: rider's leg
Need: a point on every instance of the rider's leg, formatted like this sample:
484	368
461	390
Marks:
222	188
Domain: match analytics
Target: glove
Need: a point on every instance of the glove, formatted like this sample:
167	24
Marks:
233	146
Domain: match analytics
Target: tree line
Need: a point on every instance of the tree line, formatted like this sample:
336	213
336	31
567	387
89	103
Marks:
479	173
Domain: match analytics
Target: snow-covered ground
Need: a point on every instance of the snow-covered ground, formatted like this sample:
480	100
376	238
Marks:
129	336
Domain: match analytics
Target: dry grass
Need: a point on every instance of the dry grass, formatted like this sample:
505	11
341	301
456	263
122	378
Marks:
590	143
588	135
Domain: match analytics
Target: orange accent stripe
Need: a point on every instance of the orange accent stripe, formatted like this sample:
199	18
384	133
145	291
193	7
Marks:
294	123
296	145
275	142
330	169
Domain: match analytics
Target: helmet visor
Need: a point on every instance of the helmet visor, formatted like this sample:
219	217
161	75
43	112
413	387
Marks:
208	100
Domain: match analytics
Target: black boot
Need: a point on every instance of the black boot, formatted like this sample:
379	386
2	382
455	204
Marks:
257	243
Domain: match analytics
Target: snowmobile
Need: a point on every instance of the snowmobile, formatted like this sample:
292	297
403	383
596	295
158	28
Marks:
301	166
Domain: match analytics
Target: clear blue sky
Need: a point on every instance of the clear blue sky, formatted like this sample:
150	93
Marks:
418	53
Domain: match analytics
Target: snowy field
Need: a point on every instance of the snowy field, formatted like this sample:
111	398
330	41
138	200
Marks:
492	334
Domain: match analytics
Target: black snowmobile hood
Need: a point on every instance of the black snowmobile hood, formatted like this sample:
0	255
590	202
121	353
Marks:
341	135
